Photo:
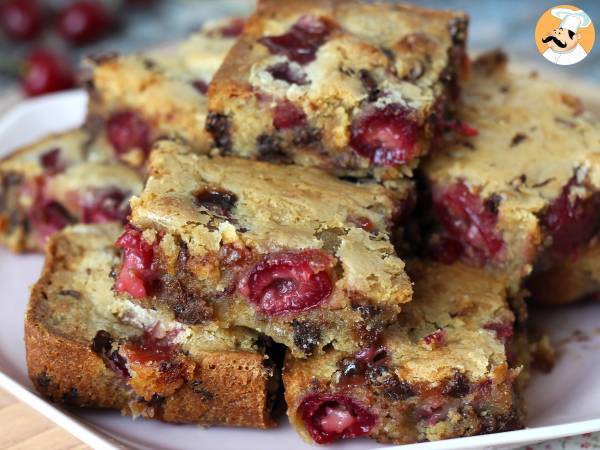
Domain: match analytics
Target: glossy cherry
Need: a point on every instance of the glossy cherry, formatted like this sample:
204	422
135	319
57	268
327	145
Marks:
330	417
45	72
288	282
21	19
136	274
84	21
386	136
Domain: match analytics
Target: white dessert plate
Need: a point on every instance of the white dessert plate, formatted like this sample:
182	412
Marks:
562	403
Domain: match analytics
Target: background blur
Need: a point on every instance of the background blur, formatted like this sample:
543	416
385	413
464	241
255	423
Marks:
141	24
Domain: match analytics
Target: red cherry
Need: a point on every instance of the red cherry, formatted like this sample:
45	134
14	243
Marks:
47	217
84	21
21	19
301	43
466	219
137	274
126	130
288	115
288	282
45	72
386	136
330	417
572	221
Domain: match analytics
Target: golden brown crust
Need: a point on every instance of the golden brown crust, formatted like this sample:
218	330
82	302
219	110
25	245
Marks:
222	388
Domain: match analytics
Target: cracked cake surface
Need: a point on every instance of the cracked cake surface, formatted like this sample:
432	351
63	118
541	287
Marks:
289	251
358	89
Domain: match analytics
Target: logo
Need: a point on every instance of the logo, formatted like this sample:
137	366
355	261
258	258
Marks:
564	35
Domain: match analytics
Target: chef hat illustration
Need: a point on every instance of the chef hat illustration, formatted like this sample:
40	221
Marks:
570	19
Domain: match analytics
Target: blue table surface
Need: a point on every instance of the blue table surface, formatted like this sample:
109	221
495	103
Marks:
508	24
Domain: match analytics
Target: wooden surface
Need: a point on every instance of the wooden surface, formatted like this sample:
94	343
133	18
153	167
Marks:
22	428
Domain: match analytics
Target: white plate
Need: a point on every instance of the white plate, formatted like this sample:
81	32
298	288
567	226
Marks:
565	402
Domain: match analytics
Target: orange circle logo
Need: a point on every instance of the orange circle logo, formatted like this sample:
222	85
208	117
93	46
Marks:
565	35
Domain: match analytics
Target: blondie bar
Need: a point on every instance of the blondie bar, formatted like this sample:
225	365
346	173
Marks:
452	366
88	347
356	88
63	179
527	187
289	251
163	93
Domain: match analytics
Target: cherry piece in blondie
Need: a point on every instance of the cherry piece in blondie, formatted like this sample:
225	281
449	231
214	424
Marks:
358	89
525	190
278	249
454	365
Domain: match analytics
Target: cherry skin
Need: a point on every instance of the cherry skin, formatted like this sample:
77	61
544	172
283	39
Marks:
301	43
572	221
136	273
21	20
467	220
45	72
126	131
84	21
386	136
330	417
288	282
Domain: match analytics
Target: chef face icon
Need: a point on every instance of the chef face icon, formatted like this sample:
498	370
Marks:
565	35
561	40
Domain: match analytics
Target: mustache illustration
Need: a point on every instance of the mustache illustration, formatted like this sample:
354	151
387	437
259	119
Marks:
556	41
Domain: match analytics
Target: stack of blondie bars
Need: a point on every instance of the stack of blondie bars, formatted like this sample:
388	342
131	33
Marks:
327	204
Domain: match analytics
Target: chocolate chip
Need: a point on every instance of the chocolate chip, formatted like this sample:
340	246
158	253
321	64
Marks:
284	72
71	293
218	201
157	400
102	343
43	380
306	136
218	126
201	86
102	57
492	203
369	84
70	398
517	139
202	391
457	386
270	149
457	28
148	63
306	336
